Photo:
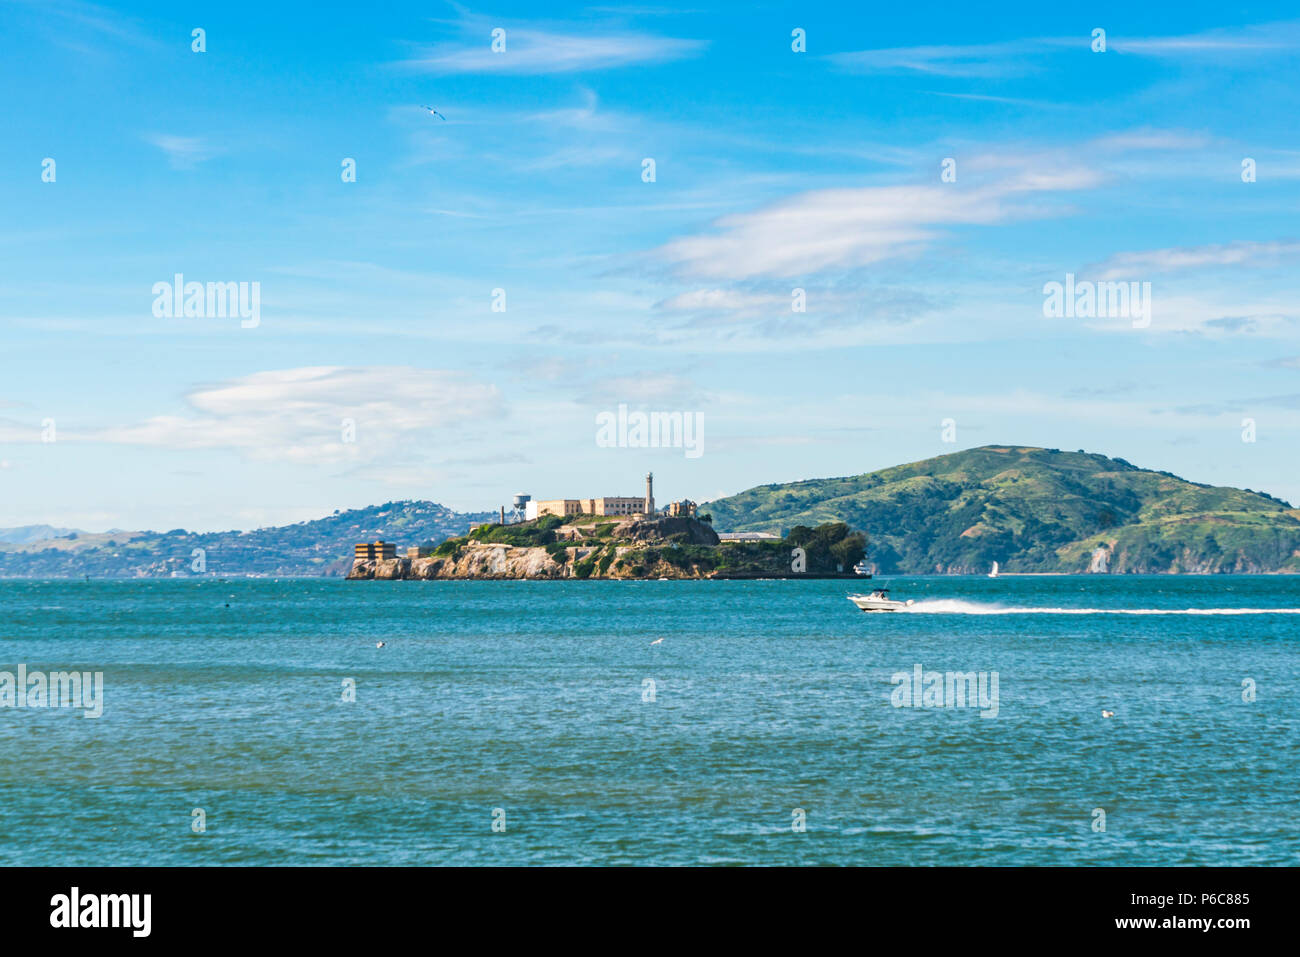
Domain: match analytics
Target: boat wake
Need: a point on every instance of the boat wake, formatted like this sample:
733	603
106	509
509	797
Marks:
949	606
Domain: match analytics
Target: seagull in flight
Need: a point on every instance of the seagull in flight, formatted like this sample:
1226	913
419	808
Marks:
433	112
656	641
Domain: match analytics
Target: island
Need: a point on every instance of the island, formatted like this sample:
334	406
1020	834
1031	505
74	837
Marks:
639	546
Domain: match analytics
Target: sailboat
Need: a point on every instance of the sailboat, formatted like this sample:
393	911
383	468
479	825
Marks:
994	572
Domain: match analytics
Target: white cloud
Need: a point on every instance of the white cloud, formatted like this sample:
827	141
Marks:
183	152
956	60
297	415
1253	40
1139	264
722	299
1153	139
1015	57
531	51
845	228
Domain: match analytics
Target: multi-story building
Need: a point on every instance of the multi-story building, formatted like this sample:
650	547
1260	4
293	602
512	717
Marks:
372	551
606	505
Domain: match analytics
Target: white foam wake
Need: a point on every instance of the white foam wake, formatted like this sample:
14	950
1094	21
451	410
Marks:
950	606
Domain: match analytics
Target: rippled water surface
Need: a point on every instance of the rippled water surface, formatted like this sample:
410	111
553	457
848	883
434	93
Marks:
548	701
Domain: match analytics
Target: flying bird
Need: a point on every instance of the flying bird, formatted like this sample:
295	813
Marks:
380	644
657	641
433	112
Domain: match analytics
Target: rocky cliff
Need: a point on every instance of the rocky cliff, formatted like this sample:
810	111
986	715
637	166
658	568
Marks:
504	562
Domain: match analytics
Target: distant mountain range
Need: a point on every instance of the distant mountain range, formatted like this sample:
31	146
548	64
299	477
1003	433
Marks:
1029	509
34	533
1032	510
319	547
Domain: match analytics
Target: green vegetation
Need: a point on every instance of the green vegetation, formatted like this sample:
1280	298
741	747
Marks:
1033	510
524	534
830	547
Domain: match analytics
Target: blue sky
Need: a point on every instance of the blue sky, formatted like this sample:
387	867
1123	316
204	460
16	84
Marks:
775	170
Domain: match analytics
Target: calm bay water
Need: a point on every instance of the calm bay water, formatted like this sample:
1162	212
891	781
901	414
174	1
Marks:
768	696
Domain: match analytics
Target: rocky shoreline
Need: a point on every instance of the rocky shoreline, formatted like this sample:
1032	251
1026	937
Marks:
494	563
504	563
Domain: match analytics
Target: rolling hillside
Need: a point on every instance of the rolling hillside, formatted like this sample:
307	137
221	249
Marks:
1033	510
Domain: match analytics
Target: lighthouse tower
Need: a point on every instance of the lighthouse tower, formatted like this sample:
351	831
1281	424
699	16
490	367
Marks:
650	493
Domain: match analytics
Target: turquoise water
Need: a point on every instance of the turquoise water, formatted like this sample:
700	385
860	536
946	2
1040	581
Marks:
768	696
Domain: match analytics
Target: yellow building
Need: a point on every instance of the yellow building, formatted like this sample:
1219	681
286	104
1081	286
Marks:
370	551
606	505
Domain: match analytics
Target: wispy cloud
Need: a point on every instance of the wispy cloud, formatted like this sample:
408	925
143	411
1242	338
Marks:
1284	362
955	60
670	388
1004	100
82	26
722	299
1258	255
1291	401
1020	56
183	152
1155	140
297	415
1252	40
533	51
847	228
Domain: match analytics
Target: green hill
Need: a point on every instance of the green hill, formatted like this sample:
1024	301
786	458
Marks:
1033	510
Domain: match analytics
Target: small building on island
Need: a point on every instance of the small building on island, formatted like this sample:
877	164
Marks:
374	551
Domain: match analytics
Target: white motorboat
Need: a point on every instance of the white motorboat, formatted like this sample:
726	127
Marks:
879	600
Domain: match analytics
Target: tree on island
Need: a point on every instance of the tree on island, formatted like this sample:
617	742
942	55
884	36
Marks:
830	547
